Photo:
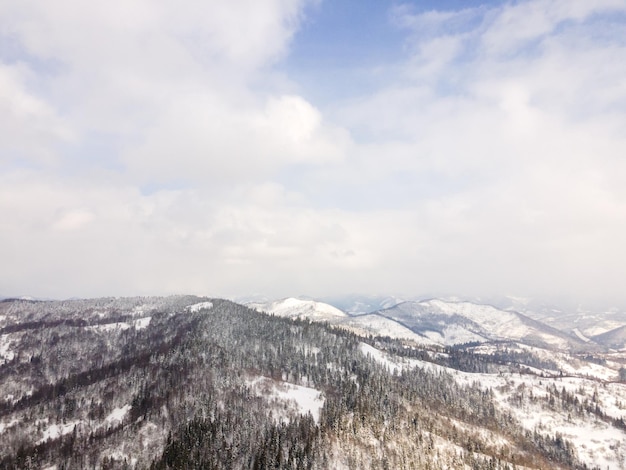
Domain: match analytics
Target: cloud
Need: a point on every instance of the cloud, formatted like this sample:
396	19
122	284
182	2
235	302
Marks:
203	137
512	137
519	24
29	127
490	163
168	82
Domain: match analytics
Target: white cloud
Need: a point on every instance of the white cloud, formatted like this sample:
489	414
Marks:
492	163
517	153
169	81
517	24
29	127
203	137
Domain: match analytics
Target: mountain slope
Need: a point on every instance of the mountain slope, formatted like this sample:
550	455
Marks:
379	325
614	339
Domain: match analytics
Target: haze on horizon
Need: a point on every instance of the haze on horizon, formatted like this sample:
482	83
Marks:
291	147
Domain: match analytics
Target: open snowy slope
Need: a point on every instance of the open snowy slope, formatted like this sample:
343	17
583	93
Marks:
449	322
378	325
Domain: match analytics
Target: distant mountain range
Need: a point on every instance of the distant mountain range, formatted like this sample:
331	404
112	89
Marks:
452	322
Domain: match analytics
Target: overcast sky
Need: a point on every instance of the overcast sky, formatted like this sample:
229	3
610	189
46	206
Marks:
297	147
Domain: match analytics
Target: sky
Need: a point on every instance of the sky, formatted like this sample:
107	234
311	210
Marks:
313	147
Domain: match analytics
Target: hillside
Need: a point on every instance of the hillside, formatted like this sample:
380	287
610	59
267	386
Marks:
188	382
615	339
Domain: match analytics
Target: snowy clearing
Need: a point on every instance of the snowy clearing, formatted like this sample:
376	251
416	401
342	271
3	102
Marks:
118	414
57	430
142	323
107	327
306	399
6	355
195	308
4	426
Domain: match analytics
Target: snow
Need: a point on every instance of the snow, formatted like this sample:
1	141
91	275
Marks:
142	323
140	310
487	316
118	414
195	308
306	400
597	442
138	324
5	354
107	327
381	326
4	426
296	308
577	332
454	334
380	357
57	430
399	364
468	322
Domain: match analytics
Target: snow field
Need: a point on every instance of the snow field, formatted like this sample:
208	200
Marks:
7	425
142	323
6	354
118	414
57	430
305	400
195	308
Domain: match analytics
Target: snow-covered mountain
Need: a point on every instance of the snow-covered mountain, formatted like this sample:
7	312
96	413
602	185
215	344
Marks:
368	324
449	323
434	322
567	316
357	304
172	382
297	308
445	323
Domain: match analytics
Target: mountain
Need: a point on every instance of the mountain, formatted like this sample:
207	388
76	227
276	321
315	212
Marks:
192	382
358	304
297	308
568	317
435	322
450	323
614	339
364	325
